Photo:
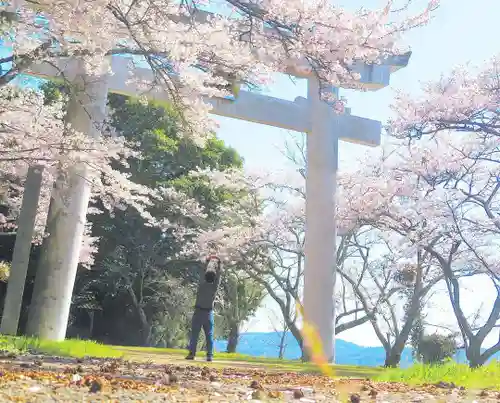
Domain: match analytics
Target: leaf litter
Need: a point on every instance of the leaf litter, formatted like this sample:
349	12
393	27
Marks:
43	379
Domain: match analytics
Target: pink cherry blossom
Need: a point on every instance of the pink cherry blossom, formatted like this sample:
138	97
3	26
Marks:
246	45
34	133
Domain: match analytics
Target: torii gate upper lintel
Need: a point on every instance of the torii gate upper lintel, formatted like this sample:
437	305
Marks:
248	106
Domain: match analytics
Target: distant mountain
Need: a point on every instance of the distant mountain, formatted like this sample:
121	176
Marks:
267	345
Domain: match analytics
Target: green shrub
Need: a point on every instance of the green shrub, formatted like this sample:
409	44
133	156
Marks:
436	348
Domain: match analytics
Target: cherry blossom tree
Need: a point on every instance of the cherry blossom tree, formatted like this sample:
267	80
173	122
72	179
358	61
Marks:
448	210
391	287
194	53
33	132
457	163
464	101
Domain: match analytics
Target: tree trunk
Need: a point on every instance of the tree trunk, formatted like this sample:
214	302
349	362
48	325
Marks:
233	338
392	358
145	326
298	336
472	341
281	352
393	355
473	354
91	325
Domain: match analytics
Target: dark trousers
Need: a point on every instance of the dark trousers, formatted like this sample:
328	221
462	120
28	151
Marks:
202	318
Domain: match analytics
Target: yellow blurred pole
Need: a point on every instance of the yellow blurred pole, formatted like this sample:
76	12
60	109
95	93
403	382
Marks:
313	344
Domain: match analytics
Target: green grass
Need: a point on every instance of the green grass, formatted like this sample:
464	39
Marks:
81	348
67	348
485	377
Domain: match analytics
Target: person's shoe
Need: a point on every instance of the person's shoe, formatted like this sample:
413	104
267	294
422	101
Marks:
209	358
190	357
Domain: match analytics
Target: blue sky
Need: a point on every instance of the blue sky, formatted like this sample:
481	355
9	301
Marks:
461	31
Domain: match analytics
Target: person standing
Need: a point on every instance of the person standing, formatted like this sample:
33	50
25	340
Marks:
203	316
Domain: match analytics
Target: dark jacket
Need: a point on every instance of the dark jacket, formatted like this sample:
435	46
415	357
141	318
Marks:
207	291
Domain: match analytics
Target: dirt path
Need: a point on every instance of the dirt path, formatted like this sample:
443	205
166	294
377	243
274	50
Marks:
165	358
48	379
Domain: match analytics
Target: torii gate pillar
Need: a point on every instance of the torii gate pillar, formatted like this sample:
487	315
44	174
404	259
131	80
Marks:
55	278
320	241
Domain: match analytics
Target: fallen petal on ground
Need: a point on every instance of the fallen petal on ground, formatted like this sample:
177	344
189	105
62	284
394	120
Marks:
122	381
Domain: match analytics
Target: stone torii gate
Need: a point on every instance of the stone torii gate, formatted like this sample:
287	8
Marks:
324	129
